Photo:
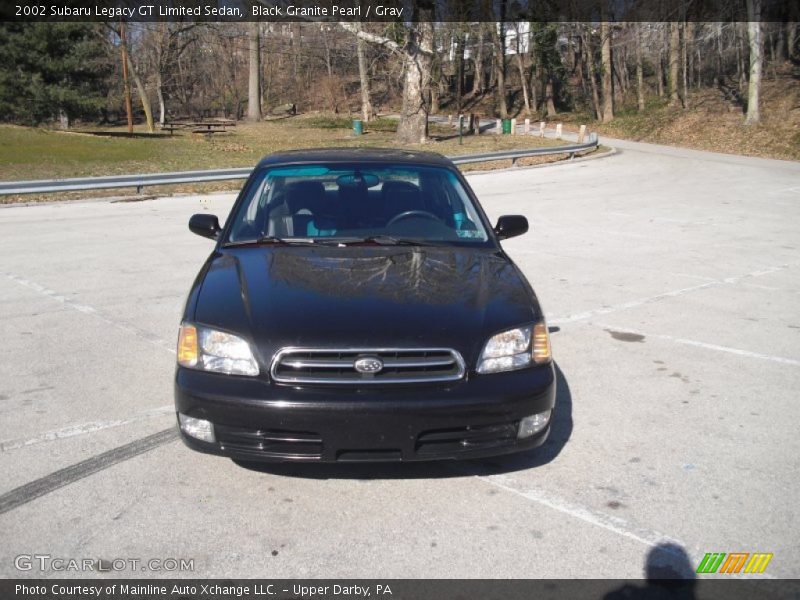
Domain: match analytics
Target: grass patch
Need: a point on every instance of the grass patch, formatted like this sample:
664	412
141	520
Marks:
336	122
35	153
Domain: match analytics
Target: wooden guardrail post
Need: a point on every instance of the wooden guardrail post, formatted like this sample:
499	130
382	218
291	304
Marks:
527	125
558	131
582	134
541	128
499	126
513	127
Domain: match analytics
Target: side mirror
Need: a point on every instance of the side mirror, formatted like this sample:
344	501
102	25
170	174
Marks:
509	226
205	225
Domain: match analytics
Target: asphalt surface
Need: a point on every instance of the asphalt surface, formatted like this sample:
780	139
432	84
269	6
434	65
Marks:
672	277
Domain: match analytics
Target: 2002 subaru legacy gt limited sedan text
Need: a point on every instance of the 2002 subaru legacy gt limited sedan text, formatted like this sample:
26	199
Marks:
358	307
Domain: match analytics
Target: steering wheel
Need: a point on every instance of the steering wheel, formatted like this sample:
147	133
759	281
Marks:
411	214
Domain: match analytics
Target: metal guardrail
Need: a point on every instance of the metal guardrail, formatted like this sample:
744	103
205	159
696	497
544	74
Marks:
45	186
571	149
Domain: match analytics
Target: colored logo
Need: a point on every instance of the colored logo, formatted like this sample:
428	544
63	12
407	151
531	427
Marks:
735	562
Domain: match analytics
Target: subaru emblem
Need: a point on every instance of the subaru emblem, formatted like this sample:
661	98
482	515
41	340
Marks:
368	364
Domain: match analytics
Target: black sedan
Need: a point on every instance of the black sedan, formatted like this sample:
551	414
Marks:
358	306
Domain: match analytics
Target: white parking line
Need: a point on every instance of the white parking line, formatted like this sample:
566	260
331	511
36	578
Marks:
671	294
631	304
738	351
618	525
89	310
92	426
611	523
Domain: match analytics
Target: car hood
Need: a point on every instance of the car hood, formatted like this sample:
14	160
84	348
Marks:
363	296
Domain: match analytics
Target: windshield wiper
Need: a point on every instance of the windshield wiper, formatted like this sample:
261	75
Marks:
270	239
387	240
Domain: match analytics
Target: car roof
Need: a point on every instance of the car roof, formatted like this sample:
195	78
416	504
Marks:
355	155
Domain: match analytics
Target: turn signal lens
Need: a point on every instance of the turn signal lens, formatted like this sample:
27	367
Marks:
187	346
541	343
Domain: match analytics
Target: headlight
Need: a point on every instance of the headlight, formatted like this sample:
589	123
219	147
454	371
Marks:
515	349
211	350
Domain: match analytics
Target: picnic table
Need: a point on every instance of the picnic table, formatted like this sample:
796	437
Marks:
209	127
206	127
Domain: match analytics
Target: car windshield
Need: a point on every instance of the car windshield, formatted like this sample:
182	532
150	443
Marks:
357	203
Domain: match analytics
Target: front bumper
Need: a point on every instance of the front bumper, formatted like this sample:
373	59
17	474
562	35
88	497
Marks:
257	420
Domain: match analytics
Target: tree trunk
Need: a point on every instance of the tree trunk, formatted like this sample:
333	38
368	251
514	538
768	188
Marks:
477	80
754	33
674	63
741	58
548	93
685	63
459	60
523	80
126	86
498	39
328	60
780	44
297	38
266	75
720	67
791	36
162	107
590	74
413	125
432	87
608	91
639	69
148	110
366	103
416	54
254	80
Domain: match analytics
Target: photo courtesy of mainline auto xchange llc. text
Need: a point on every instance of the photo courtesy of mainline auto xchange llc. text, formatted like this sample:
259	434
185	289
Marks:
473	299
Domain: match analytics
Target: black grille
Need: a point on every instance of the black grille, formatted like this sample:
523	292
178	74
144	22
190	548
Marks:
340	366
464	439
270	442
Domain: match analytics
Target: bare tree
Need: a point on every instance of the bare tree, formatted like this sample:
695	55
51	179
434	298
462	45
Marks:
639	69
522	77
499	43
477	80
608	91
674	63
754	88
167	42
254	79
590	72
416	54
363	75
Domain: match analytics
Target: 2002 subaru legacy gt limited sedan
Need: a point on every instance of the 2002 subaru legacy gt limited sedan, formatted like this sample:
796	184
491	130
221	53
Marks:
358	306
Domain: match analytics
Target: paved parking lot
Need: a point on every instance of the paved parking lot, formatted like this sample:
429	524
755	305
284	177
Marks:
671	279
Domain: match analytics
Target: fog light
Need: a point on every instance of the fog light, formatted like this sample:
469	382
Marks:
533	424
197	428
